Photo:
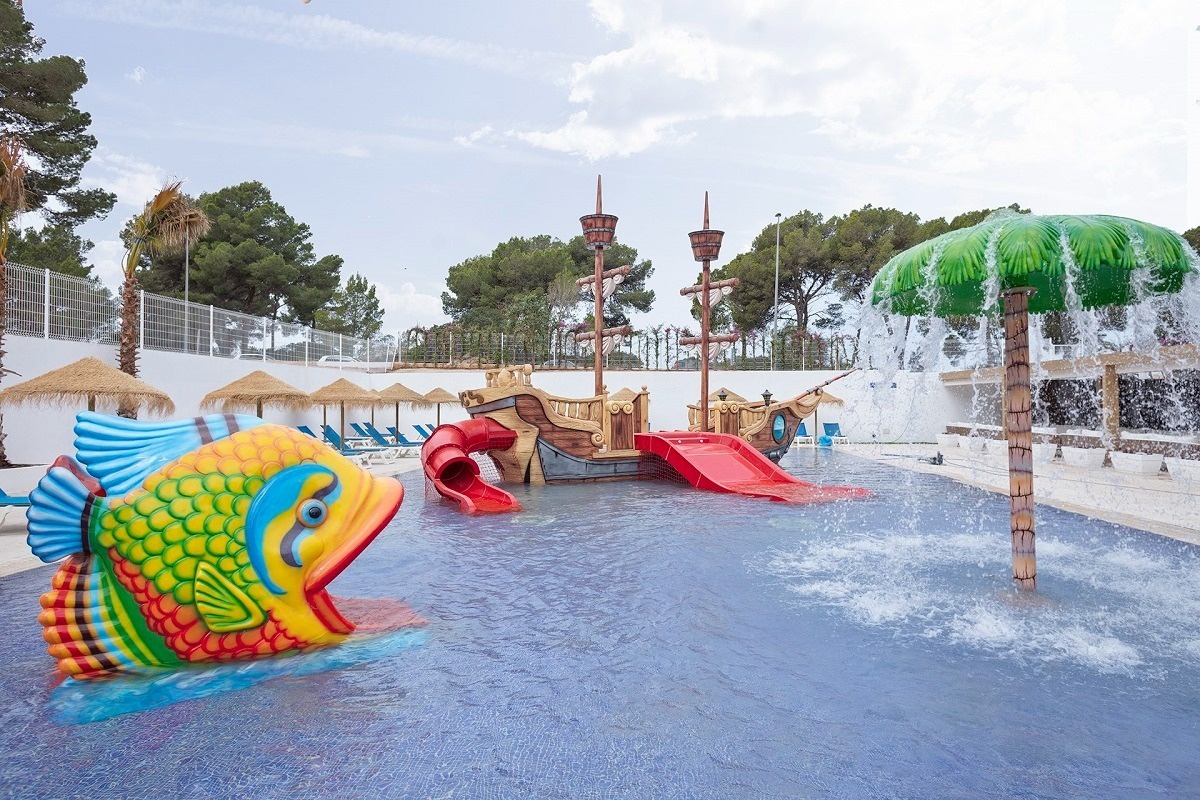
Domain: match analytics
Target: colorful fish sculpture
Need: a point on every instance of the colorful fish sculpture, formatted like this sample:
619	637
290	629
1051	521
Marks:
197	541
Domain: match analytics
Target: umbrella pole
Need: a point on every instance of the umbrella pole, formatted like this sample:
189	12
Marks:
397	423
258	409
342	424
439	415
1019	420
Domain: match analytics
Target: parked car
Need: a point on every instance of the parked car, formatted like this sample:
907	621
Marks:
687	363
336	360
251	357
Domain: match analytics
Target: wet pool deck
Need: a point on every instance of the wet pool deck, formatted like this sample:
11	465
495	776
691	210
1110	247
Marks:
1155	503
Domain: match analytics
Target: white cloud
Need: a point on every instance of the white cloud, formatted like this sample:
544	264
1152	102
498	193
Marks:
137	75
1004	87
106	258
406	307
305	29
133	181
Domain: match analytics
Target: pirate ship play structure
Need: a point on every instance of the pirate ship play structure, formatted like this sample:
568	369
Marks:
535	437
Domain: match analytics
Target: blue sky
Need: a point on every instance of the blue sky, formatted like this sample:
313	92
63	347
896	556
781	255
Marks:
411	136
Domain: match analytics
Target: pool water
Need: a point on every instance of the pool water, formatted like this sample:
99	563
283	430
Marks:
644	639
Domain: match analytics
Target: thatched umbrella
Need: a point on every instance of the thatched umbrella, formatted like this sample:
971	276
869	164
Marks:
398	393
825	397
344	393
86	380
254	390
439	396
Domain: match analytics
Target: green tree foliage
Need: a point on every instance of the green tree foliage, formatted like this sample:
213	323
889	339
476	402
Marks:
255	259
822	258
511	285
354	310
1193	238
37	103
55	247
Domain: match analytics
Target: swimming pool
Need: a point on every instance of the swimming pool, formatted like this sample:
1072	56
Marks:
648	640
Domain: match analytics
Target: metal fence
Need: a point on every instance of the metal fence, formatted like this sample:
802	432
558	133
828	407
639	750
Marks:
48	305
655	348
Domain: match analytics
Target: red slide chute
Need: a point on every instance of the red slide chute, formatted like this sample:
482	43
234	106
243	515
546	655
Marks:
455	475
719	462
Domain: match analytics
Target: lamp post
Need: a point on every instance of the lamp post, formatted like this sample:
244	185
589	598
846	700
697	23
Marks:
775	308
766	397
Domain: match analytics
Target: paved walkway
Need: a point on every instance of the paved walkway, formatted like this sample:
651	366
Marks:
1158	504
1154	503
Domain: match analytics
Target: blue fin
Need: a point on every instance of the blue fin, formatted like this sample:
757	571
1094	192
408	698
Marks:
122	453
59	515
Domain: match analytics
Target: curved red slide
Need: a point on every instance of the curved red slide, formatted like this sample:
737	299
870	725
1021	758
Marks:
719	462
455	475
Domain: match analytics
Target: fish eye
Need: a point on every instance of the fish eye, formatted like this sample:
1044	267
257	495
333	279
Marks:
312	513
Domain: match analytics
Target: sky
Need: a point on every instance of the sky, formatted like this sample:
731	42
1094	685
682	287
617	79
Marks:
412	136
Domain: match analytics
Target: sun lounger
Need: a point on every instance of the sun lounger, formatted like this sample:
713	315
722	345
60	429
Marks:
401	439
802	435
834	431
402	449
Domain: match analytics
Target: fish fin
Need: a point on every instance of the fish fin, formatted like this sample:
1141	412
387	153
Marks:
60	515
76	469
224	607
122	453
80	623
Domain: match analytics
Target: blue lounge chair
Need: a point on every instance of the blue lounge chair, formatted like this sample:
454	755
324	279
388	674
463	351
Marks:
802	435
834	431
364	454
308	430
13	500
401	439
401	448
423	431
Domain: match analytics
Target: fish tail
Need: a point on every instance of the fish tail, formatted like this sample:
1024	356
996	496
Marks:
60	512
83	627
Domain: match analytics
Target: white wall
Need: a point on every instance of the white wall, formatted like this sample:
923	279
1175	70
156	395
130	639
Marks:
917	408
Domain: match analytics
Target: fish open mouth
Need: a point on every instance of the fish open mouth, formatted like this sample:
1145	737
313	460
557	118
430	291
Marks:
375	511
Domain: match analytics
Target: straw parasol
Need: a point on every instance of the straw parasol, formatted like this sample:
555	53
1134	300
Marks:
398	393
344	393
439	396
86	380
824	397
254	390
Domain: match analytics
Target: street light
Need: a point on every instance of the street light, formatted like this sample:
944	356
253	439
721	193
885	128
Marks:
775	308
766	397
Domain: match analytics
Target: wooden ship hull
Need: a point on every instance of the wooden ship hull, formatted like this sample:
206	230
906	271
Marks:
565	440
770	429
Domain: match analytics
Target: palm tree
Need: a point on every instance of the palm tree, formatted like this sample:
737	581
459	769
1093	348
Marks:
12	202
168	220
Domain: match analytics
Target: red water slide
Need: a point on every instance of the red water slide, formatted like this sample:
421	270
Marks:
448	465
719	462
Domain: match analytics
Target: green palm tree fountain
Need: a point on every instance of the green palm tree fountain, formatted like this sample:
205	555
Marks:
1036	264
